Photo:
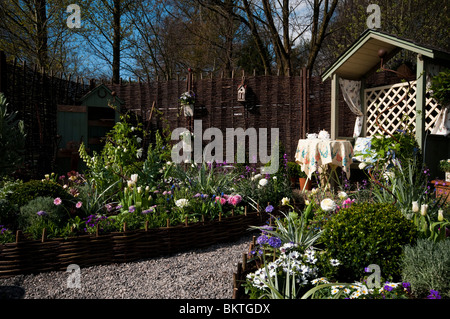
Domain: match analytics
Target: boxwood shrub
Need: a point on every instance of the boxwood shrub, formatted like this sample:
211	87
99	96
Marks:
23	193
365	234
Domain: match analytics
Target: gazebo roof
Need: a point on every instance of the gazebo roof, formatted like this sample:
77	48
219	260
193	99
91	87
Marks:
362	57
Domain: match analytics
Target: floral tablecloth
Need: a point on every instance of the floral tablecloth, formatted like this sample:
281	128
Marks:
312	154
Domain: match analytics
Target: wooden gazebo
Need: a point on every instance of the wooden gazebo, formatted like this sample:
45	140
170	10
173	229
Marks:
365	57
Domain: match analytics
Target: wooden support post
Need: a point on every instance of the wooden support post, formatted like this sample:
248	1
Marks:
420	100
168	223
146	225
244	261
44	235
18	236
334	107
186	221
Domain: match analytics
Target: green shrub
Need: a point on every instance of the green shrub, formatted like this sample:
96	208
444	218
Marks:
23	193
426	266
365	234
57	215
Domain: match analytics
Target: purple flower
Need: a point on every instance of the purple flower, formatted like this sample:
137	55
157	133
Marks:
261	240
275	242
388	288
434	294
269	209
131	209
42	213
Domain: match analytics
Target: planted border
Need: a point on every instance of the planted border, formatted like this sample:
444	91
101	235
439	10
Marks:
35	256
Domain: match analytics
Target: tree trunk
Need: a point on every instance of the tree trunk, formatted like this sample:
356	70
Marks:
41	33
116	42
319	28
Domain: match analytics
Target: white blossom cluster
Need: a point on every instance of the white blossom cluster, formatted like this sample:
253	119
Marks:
291	262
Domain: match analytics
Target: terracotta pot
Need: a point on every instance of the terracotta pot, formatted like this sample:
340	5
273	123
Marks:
303	181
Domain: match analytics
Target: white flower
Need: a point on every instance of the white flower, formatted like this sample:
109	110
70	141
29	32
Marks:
362	165
138	139
257	176
440	215
342	195
139	189
314	191
139	153
423	209
182	202
335	290
285	201
334	262
328	205
263	182
415	207
388	175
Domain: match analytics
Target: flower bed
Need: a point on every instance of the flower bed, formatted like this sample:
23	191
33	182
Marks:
33	256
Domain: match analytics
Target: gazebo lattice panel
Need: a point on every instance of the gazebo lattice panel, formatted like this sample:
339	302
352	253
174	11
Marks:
383	98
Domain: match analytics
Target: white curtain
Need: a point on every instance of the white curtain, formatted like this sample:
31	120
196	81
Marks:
351	90
442	124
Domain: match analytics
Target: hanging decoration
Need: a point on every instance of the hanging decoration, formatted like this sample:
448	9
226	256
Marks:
187	99
242	90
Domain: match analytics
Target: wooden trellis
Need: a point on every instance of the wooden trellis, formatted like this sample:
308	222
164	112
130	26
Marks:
383	98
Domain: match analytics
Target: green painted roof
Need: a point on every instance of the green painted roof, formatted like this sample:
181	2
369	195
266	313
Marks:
98	96
362	57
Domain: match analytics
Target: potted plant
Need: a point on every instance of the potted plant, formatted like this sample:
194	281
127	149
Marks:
296	174
445	167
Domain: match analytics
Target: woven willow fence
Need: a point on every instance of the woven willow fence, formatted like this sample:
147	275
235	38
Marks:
381	98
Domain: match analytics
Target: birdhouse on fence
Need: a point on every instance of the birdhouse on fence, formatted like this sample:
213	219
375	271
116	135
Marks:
242	90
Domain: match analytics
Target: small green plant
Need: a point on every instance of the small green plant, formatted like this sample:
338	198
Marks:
6	235
426	265
295	170
440	87
12	139
365	234
444	165
40	213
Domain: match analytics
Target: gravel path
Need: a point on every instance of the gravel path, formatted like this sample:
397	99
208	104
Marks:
196	274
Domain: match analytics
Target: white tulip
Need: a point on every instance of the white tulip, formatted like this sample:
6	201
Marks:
342	195
263	182
423	209
415	207
440	215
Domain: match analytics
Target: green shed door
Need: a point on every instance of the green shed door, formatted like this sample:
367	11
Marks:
72	124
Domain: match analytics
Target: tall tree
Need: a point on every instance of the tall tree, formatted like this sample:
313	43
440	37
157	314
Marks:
280	22
32	30
422	21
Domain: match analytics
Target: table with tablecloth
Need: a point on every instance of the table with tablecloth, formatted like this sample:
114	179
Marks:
315	154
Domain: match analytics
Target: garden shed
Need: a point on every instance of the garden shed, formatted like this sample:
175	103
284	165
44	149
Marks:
87	122
406	102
